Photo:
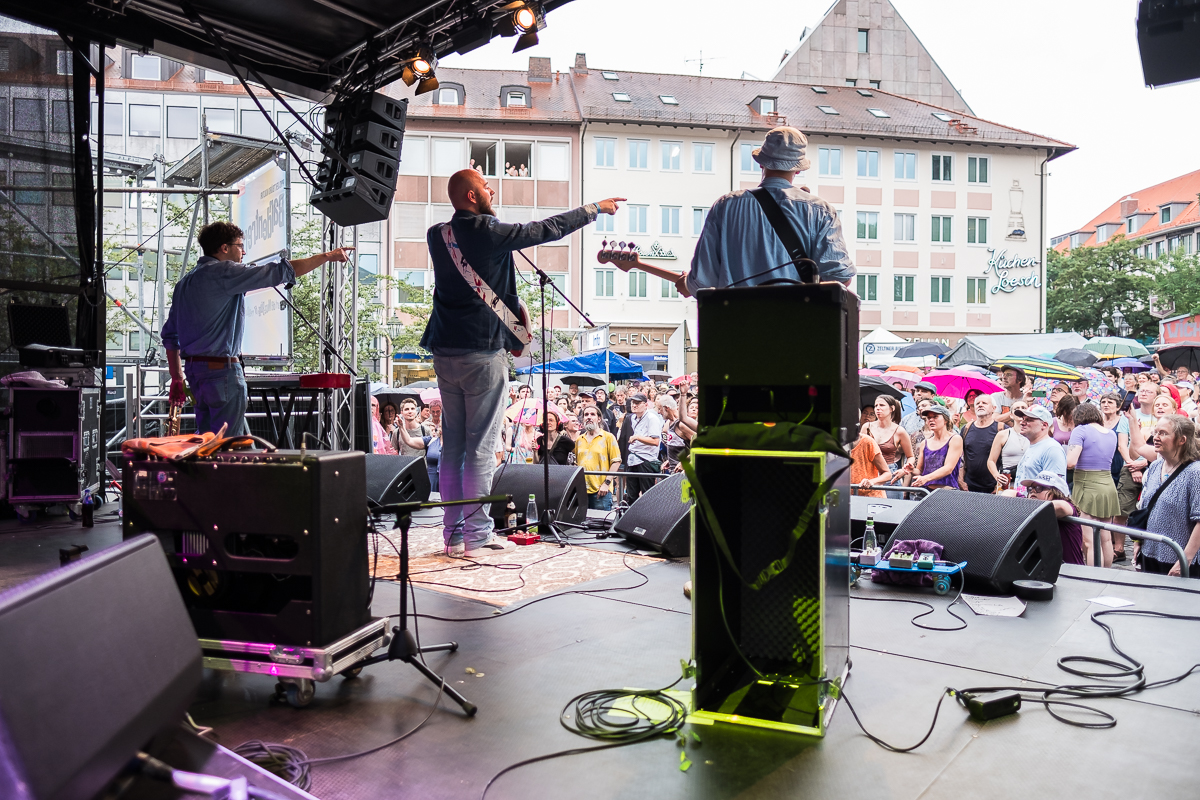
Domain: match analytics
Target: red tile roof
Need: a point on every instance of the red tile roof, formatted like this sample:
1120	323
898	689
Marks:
1183	189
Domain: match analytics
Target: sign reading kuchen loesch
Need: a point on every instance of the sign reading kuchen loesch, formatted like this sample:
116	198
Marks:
1012	272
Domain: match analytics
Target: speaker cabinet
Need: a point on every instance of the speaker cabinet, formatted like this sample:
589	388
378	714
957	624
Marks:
1169	41
367	132
397	479
98	659
53	444
269	547
659	519
1002	539
568	491
765	656
888	515
813	379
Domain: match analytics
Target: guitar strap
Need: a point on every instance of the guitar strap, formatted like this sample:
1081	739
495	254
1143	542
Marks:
482	290
783	229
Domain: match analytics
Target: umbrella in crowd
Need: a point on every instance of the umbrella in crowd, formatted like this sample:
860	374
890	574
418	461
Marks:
1180	355
1099	384
1115	347
582	379
431	395
906	379
1041	391
871	386
921	350
957	382
530	404
1125	363
1076	357
421	385
681	379
1039	367
657	374
869	372
903	368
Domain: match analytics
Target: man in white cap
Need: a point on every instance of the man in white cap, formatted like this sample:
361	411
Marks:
738	241
1044	453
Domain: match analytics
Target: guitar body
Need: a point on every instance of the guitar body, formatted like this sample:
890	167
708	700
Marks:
624	257
524	320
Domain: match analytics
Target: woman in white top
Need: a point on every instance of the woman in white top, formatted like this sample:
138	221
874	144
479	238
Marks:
1007	449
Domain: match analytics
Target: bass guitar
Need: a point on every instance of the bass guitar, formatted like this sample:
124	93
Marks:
624	256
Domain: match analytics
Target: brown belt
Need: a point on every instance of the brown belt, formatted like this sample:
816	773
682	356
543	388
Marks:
214	362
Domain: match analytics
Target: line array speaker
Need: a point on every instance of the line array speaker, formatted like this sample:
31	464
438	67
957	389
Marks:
1002	539
368	133
568	491
658	520
265	547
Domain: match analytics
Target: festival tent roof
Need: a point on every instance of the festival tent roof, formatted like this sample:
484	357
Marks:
619	367
983	350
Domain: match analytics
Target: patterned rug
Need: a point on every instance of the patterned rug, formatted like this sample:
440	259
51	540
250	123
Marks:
507	577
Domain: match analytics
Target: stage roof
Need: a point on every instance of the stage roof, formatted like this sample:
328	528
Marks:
306	47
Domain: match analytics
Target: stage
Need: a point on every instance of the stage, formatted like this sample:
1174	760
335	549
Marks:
536	656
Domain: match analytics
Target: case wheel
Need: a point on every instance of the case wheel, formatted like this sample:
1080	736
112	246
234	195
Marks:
353	672
941	585
300	693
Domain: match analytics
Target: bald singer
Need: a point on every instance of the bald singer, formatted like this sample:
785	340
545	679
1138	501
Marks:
475	308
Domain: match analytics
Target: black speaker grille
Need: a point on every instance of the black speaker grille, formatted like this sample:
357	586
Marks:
659	518
397	479
1002	538
568	492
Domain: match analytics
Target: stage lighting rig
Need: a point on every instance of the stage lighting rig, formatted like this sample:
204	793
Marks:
421	66
527	19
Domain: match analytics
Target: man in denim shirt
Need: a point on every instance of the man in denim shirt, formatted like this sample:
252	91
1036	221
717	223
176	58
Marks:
738	240
468	341
203	331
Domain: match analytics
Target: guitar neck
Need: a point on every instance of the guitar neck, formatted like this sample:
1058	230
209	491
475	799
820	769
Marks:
626	260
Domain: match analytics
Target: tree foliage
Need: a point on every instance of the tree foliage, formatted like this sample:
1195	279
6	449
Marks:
1084	286
1179	280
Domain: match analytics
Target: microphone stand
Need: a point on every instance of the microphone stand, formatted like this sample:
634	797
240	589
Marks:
550	526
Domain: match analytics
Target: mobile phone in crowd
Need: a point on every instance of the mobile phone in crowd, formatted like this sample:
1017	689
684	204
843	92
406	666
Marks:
1128	401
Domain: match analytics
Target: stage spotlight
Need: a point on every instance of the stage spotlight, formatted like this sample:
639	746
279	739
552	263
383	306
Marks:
527	21
427	85
420	67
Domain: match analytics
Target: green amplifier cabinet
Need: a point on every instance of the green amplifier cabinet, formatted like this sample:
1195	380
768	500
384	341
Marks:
777	655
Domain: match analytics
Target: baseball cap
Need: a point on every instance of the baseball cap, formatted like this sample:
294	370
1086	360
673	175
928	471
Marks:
1051	480
639	398
1037	412
926	385
937	409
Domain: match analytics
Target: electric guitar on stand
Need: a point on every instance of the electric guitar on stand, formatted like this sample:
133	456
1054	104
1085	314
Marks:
624	256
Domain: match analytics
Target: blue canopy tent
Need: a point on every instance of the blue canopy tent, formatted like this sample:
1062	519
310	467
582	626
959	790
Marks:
602	362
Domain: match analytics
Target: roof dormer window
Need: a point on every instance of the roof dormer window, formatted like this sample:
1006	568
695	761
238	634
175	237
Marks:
878	112
515	97
819	89
764	105
942	116
865	93
449	94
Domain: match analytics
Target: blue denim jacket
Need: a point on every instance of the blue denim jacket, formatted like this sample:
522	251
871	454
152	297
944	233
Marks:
738	241
460	322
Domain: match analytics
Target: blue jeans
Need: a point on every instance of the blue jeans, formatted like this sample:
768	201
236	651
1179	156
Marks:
598	502
473	391
220	396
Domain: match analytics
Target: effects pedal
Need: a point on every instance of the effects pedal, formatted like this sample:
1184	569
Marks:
524	537
900	560
868	558
925	561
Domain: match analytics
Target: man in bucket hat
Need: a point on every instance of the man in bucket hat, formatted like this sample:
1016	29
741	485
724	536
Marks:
738	240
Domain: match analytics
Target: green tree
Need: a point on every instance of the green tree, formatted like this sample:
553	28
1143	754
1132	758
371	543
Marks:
1084	286
1179	280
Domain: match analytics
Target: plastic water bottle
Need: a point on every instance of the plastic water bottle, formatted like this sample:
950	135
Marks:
531	514
869	542
89	508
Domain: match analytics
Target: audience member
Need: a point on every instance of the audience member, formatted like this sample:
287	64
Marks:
978	437
1176	511
1052	488
1090	453
940	454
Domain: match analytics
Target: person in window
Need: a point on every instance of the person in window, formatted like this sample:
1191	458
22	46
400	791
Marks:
738	242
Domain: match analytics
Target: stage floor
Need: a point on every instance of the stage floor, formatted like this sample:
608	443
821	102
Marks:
537	656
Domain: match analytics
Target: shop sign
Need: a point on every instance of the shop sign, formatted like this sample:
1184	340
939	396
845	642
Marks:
634	339
1009	271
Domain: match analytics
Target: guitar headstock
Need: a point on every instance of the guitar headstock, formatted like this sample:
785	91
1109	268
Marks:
622	254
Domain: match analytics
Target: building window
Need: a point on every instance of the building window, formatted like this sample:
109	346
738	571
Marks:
977	230
939	291
1164	216
669	289
637	284
942	168
637	218
868	163
976	291
183	122
868	288
145	68
941	229
610	76
904	286
977	169
906	227
702	157
65	62
868	225
748	162
604	282
447	97
622	97
672	154
145	121
447	156
29	114
829	161
220	120
639	154
518	160
484	158
668	100
606	152
878	112
862	41
553	162
255	125
67	198
766	105
830	110
60	116
670	220
874	84
606	223
29	197
699	215
1129	225
1158	248
906	166
851	82
517	100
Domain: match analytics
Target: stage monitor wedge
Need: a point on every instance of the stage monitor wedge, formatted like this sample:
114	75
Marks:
568	491
658	520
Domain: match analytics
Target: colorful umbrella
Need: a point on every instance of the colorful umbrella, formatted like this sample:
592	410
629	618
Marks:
1044	385
1099	384
1125	363
871	386
869	372
530	404
1076	357
921	349
907	379
903	368
1115	347
957	382
681	379
430	395
1038	367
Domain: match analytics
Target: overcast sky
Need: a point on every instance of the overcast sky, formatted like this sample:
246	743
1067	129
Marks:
1068	69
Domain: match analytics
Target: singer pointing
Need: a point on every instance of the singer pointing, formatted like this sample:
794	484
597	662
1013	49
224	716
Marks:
738	240
476	317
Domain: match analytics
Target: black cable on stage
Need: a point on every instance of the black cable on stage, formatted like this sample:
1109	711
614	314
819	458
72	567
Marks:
937	709
929	606
289	763
1131	585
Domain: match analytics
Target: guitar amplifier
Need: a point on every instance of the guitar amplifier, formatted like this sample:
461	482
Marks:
264	547
780	353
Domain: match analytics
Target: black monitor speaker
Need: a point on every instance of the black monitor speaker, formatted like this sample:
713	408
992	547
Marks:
568	491
99	657
659	519
1002	539
397	479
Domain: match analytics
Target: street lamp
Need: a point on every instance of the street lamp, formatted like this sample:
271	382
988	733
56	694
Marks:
395	328
1119	323
1102	330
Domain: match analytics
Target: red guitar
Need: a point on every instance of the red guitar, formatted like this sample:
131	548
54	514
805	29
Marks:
624	256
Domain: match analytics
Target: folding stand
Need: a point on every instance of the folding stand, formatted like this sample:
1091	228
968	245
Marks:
404	645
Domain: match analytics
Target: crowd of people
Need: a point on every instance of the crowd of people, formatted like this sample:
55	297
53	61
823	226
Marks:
1094	456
